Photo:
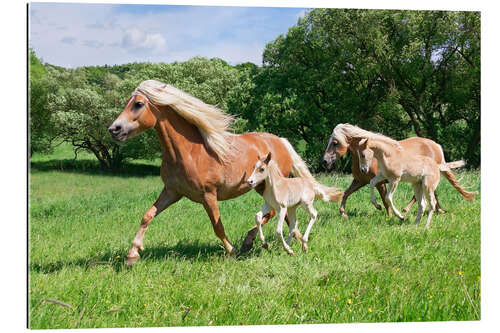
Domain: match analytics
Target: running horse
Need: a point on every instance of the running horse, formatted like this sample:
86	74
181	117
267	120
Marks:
201	159
341	141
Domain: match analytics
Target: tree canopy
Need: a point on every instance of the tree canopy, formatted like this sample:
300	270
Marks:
402	73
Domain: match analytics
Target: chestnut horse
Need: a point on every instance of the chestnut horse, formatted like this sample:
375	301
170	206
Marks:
201	160
340	143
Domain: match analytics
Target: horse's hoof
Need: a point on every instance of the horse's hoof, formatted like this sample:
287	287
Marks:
304	247
405	210
402	218
378	207
265	246
440	211
131	261
246	246
344	216
290	252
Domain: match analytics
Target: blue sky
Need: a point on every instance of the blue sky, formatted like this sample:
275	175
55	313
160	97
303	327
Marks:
72	35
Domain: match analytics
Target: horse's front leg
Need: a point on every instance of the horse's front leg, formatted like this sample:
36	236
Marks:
279	229
258	220
165	199
373	182
383	191
393	184
212	208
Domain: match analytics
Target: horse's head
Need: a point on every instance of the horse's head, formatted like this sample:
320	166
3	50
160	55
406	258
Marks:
135	118
335	150
365	153
260	171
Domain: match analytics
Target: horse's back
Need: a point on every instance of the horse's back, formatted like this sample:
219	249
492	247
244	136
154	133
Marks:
423	146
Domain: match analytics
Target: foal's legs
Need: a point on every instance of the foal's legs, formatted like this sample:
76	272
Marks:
355	185
374	181
439	209
393	184
258	220
419	197
165	199
279	229
313	215
252	233
292	226
438	206
429	194
212	208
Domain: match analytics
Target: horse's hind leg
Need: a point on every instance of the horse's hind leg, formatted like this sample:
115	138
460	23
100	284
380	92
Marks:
313	214
430	196
439	209
419	197
212	208
410	204
355	185
165	199
292	216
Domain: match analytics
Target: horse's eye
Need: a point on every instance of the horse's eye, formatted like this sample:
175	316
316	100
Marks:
261	170
138	105
335	143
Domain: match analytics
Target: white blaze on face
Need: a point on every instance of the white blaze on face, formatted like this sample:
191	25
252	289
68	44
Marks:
251	179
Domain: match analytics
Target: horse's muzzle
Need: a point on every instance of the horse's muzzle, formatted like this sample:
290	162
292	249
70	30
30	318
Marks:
117	131
364	169
327	162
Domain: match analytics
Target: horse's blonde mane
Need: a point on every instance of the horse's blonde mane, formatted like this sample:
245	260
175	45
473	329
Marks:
212	122
344	132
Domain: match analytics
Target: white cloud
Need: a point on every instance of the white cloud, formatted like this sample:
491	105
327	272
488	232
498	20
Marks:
96	34
136	39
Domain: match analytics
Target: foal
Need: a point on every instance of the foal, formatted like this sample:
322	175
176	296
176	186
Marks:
396	164
286	194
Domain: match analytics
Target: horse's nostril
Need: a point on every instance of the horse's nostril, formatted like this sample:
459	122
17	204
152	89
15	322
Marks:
114	129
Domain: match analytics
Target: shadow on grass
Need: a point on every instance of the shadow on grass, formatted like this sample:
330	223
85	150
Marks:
92	167
183	250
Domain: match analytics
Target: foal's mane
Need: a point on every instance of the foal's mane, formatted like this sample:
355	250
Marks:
212	122
344	132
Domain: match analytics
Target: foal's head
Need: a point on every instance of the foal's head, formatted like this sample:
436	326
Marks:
135	118
260	171
365	153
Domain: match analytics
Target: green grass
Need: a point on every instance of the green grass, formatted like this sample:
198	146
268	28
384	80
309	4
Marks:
368	268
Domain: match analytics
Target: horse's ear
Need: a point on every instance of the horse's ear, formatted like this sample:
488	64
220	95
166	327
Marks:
268	158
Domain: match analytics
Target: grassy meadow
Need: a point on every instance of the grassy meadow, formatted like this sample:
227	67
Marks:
368	268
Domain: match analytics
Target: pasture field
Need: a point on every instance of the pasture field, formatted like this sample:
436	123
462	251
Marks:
368	268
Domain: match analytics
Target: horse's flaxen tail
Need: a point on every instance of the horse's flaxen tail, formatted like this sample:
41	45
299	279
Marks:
299	169
446	171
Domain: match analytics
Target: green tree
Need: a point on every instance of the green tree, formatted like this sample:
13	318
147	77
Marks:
41	134
397	72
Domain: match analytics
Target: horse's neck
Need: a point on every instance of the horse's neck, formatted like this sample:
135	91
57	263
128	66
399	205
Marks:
177	136
384	152
272	184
